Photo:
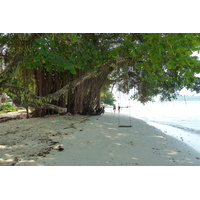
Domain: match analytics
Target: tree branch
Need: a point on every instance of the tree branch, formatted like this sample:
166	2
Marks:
10	68
43	102
4	76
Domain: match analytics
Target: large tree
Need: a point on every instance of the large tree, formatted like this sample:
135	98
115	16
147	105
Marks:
60	72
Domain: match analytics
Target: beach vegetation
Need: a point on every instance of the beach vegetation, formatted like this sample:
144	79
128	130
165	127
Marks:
108	98
4	108
59	73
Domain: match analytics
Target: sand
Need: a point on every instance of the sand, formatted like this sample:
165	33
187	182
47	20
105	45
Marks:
90	141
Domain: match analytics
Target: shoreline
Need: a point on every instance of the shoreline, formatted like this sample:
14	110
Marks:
189	134
90	141
191	139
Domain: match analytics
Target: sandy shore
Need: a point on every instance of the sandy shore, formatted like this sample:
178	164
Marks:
90	141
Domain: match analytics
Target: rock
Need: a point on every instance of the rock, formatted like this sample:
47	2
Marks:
60	148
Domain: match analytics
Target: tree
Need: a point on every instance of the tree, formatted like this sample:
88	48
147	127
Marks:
162	64
54	60
108	98
60	72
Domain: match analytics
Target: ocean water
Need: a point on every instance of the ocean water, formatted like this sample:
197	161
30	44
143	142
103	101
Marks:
179	119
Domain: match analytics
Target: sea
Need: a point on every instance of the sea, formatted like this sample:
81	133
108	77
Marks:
179	119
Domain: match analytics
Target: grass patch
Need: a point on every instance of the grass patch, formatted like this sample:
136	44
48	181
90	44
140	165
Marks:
4	108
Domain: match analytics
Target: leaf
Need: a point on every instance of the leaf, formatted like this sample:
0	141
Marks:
41	41
52	43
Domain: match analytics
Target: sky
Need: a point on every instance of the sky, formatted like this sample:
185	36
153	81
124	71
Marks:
185	91
196	54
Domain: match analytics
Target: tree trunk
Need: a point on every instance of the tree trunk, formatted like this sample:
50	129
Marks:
83	93
46	84
51	89
85	97
76	95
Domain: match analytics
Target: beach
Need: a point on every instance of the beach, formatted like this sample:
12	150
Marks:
75	140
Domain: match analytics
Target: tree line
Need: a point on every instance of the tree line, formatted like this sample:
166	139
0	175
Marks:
67	72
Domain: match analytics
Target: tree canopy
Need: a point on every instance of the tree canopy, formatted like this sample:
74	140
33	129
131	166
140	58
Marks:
55	72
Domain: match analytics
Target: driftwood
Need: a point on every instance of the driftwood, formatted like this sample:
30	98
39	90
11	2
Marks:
12	116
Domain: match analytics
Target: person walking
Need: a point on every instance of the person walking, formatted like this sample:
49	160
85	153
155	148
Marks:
119	108
114	108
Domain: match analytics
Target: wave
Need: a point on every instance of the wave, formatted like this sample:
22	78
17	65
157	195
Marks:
177	126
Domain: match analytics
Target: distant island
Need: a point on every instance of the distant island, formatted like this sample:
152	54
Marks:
187	98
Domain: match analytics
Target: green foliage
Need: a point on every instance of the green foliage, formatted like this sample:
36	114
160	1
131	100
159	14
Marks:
61	52
162	64
46	55
7	108
108	98
154	64
195	86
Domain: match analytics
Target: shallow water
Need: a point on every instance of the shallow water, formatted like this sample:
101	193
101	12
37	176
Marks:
180	114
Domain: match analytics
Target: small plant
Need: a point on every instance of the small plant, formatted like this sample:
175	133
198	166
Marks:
7	108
